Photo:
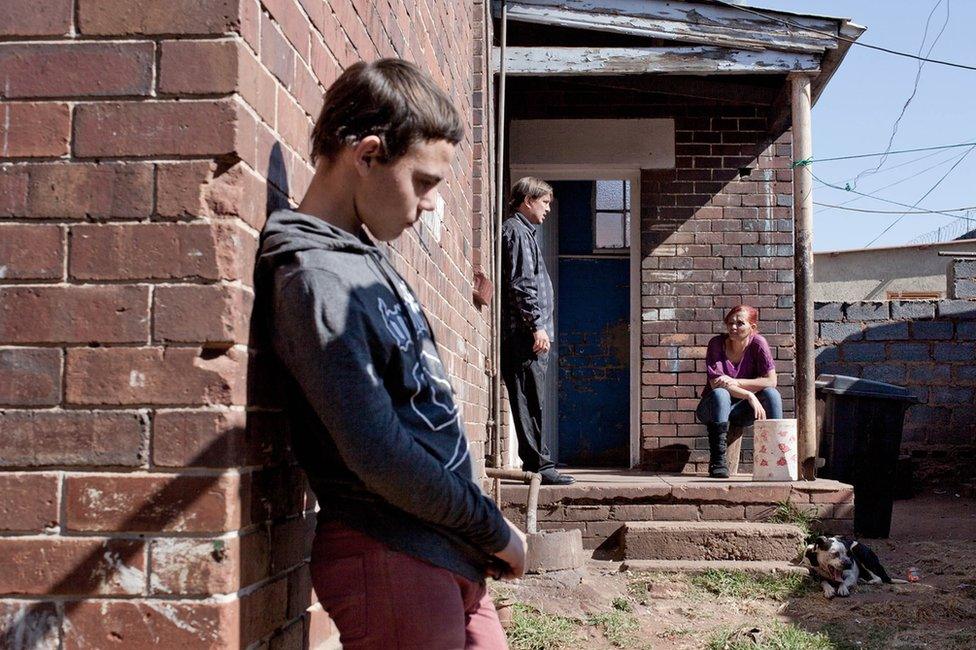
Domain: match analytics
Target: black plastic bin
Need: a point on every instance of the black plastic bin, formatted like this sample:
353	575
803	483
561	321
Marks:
860	440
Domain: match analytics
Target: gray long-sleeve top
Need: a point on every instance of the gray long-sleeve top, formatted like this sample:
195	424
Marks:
374	421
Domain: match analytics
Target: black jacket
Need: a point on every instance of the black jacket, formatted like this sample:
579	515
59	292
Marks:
527	296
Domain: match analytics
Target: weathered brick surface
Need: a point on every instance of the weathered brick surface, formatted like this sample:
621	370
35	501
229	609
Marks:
29	252
152	502
79	191
75	565
156	376
109	314
35	129
30	377
36	18
67	69
194	438
202	314
198	67
71	438
118	17
28	502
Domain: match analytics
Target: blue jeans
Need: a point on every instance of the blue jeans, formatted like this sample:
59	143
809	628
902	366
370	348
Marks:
718	406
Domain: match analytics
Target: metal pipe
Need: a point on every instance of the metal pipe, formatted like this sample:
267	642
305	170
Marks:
956	254
496	262
534	479
803	276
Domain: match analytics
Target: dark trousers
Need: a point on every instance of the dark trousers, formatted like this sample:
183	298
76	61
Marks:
524	374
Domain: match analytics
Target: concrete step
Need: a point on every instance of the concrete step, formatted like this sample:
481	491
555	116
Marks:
700	566
710	540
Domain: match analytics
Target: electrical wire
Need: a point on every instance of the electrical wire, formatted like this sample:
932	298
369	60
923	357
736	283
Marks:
798	163
843	38
902	212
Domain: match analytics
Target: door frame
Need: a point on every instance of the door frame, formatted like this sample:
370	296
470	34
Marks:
609	173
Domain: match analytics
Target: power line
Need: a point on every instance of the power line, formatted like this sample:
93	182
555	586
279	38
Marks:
918	77
931	189
844	38
878	198
902	212
799	163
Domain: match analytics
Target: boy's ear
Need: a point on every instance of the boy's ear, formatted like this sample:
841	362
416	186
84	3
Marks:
366	152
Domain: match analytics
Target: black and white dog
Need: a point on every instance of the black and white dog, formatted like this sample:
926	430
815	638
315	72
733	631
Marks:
840	562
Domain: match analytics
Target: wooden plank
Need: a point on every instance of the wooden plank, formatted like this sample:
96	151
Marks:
536	61
752	38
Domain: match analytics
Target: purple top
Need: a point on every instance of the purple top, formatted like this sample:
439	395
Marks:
757	360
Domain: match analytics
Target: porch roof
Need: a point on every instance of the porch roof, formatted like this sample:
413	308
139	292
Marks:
704	37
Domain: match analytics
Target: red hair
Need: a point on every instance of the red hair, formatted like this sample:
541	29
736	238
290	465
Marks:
752	314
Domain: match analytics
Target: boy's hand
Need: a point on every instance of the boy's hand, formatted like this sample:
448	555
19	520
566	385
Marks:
513	555
540	342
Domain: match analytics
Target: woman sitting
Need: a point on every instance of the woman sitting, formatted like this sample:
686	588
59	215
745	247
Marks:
741	384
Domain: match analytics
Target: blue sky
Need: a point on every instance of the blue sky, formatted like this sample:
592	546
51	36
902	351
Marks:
857	110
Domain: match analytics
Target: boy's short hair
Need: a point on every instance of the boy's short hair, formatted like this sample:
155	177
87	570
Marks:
388	98
528	187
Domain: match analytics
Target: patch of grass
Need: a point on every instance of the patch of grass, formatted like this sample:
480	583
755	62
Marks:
532	629
779	636
787	512
739	584
620	627
621	604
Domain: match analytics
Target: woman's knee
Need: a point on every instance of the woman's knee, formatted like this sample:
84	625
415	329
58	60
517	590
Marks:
714	406
771	400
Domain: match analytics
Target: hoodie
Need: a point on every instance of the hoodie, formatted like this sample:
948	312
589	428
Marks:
372	413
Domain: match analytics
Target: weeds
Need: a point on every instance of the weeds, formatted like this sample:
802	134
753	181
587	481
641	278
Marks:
787	512
532	629
739	584
778	637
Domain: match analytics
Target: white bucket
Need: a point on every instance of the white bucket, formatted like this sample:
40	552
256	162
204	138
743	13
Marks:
775	453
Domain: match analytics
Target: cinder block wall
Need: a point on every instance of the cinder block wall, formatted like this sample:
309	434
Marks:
928	346
148	495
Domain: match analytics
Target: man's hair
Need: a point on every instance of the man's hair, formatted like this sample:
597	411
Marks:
388	98
528	188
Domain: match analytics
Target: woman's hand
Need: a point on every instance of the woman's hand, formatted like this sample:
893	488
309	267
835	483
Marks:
757	407
726	382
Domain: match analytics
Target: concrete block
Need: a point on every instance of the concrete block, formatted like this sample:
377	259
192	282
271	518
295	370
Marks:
707	540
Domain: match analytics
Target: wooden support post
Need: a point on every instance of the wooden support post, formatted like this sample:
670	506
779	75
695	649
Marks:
803	273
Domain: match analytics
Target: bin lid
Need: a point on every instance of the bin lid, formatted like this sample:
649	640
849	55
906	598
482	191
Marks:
857	387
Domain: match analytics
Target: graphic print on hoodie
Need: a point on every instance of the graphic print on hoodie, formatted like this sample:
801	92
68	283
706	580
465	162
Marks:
373	416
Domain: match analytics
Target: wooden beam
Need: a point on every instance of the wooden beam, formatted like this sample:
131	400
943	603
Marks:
648	23
803	277
537	61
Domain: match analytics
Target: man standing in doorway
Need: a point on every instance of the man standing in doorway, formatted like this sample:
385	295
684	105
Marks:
527	323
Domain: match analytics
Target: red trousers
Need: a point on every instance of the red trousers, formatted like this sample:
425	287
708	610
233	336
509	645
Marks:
384	600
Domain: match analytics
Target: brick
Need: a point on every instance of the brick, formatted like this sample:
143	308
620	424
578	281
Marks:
36	621
193	567
863	351
953	352
216	438
66	438
863	311
276	54
932	330
909	352
202	314
13	191
263	610
961	309
966	331
675	512
198	67
29	252
100	191
886	331
74	314
913	309
890	374
840	331
170	376
111	17
183	128
951	395
152	502
158	252
71	566
152	624
73	69
30	376
634	512
36	18
35	129
713	512
291	542
179	188
28	502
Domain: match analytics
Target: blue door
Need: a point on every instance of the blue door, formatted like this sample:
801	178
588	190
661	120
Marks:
593	336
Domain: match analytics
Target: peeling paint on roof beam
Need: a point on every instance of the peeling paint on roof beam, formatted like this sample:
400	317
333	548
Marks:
534	61
754	37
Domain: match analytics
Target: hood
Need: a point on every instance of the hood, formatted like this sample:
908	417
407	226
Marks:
288	232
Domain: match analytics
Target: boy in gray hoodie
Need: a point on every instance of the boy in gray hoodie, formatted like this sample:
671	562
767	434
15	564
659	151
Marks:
405	535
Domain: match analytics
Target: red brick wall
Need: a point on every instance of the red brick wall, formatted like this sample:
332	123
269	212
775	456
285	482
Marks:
144	465
711	238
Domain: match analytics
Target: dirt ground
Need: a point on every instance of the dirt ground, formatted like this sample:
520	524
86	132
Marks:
601	608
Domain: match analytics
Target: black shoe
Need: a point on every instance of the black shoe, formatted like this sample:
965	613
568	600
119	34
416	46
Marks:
717	443
552	477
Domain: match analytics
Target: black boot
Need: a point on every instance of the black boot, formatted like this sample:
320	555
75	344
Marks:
718	434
